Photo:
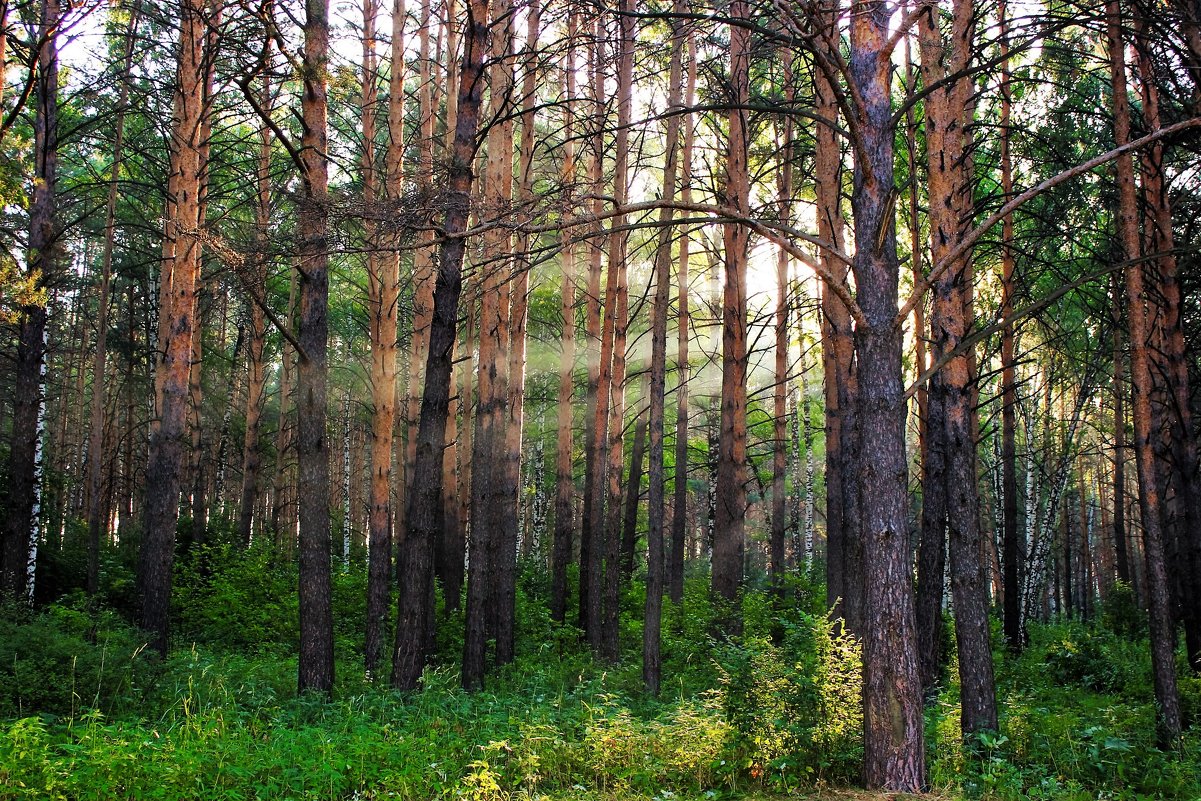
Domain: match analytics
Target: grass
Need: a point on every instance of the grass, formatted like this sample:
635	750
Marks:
87	713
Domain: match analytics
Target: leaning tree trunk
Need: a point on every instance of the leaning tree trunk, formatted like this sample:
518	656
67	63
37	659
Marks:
487	498
423	521
423	255
455	460
1163	635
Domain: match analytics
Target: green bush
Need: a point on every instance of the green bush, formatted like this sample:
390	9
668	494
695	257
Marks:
1121	614
796	707
62	660
1077	721
237	600
1099	660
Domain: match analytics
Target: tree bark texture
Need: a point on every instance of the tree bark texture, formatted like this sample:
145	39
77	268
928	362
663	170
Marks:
894	751
950	187
316	665
652	666
564	476
383	305
679	518
1163	636
729	534
490	415
180	277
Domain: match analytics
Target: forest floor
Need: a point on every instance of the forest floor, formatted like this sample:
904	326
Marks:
86	713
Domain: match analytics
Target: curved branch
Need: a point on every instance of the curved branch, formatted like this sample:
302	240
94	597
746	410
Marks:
969	241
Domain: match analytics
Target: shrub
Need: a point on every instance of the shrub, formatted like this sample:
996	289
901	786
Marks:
240	600
1099	660
62	660
795	707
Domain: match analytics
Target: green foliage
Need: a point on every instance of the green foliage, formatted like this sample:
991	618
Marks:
796	706
240	601
62	660
775	709
1121	614
1099	660
1077	722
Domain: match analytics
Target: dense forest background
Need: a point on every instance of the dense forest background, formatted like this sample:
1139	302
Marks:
556	399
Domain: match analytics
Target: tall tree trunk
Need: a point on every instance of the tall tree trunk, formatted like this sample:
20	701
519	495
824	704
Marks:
97	520
422	513
728	535
1183	442
633	494
423	255
251	452
197	464
931	556
1121	550
779	495
618	265
510	484
894	755
490	418
920	333
679	518
932	547
384	300
652	667
347	422
456	461
590	567
600	364
316	665
949	182
564	479
1163	636
1015	636
21	528
837	345
180	277
282	428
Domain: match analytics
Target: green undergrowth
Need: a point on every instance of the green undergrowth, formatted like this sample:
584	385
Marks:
739	715
1077	720
86	712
